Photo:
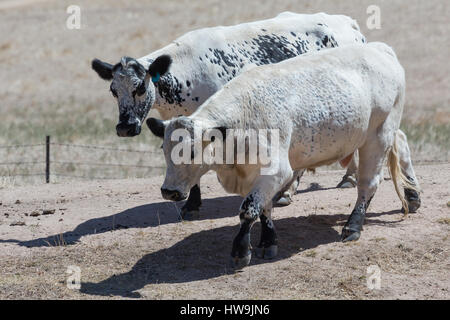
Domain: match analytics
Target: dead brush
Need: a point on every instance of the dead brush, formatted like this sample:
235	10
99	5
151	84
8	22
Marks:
58	241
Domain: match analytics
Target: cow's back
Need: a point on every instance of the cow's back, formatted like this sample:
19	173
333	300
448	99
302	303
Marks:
209	58
272	40
326	103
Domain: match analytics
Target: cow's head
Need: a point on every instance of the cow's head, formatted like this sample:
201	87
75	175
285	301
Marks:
181	177
132	86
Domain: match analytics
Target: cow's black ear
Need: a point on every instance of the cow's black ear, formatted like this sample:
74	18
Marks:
159	67
103	69
156	126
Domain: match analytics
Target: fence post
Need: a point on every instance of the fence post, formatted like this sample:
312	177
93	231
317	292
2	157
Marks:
47	159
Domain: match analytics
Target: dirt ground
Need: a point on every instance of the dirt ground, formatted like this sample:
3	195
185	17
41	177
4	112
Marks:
128	242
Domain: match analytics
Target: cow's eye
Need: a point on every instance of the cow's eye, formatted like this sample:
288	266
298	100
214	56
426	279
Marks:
141	89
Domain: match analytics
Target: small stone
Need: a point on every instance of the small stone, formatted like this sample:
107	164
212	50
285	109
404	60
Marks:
48	211
60	220
6	214
18	202
35	213
17	223
26	214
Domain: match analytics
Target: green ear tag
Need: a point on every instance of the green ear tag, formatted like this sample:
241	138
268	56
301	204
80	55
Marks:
156	78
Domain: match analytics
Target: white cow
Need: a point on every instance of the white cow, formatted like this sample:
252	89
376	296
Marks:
326	106
203	61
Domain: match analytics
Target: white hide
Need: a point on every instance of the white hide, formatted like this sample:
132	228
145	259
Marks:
326	105
210	57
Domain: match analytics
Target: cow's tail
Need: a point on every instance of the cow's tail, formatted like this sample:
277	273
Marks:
397	175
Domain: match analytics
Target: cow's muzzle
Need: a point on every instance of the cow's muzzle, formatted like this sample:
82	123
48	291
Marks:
172	195
128	129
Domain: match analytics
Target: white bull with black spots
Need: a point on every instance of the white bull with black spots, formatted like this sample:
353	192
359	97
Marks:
202	61
326	106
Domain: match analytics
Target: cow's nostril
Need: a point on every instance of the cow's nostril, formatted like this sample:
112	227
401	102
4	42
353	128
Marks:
122	132
128	130
173	195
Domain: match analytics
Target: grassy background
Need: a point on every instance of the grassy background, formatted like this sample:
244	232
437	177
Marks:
48	88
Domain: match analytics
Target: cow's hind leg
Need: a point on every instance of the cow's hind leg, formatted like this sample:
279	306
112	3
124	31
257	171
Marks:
190	210
349	179
370	174
268	245
412	196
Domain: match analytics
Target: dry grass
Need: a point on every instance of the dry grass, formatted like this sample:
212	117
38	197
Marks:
444	221
47	87
132	245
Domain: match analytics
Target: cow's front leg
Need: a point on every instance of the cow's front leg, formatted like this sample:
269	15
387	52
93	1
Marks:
268	245
191	209
241	253
257	202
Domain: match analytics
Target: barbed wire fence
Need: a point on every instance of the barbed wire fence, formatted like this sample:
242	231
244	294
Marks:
49	162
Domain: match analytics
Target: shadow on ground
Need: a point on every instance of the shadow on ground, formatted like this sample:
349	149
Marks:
149	215
205	254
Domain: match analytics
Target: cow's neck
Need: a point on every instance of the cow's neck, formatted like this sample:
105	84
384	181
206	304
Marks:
178	92
171	94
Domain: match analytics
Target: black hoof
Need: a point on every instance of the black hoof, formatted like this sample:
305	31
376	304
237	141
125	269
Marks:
267	253
190	215
347	182
350	235
239	263
259	252
413	199
284	201
413	206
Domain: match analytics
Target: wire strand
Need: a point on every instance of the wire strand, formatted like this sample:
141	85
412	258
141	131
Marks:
100	147
20	163
22	146
107	164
